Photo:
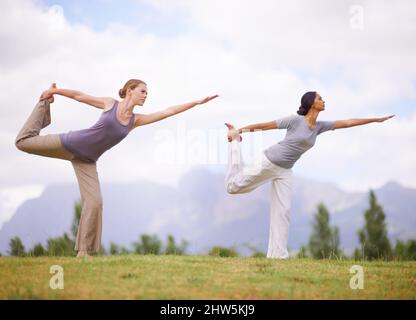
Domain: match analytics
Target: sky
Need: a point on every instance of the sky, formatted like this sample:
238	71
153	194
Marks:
259	57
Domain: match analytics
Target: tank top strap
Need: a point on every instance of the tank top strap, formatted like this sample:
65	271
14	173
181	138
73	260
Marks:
114	108
133	117
114	111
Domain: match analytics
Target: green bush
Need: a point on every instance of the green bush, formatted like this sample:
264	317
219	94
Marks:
218	251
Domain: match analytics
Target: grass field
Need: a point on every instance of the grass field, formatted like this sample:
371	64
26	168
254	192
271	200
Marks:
203	277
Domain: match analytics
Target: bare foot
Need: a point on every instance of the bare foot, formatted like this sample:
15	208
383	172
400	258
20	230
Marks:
83	254
233	133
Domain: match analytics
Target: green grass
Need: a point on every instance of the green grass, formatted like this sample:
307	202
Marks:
203	277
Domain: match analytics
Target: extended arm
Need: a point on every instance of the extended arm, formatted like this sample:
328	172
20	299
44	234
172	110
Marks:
358	122
258	126
97	102
143	119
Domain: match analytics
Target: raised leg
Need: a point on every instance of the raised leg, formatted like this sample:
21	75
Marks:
242	179
29	140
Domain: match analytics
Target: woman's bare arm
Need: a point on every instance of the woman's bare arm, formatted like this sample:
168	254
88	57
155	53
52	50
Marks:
97	102
259	126
358	122
143	119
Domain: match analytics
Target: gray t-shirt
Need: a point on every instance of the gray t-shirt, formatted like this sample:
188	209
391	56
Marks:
299	138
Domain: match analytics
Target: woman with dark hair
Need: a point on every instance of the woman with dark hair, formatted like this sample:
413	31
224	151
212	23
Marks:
278	160
84	147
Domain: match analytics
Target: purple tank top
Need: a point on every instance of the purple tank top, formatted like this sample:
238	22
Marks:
89	144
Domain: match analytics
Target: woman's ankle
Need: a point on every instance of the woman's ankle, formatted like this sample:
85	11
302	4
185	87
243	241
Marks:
83	253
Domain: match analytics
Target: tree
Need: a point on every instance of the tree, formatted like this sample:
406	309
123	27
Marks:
373	236
148	244
405	250
17	248
324	240
255	251
172	248
303	252
218	251
38	250
116	249
61	246
411	250
357	255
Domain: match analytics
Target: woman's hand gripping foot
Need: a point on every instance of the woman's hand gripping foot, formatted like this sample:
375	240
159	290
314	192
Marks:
47	94
233	133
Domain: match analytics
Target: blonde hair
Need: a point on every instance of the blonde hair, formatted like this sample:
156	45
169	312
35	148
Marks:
131	84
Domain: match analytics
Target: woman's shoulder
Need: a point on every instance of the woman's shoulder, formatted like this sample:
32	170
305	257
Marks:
109	103
295	118
291	117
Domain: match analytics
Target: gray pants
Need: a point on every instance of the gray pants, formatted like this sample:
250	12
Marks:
29	140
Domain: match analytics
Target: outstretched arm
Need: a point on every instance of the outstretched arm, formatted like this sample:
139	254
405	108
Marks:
97	102
358	122
143	119
258	126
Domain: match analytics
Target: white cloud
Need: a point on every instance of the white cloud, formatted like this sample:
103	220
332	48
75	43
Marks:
11	198
360	68
259	58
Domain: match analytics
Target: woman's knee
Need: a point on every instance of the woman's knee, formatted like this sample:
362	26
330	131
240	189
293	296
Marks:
21	145
232	188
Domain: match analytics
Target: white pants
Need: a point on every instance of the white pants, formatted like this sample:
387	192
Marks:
242	179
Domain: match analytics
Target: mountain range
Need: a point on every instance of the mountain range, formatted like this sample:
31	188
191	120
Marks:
200	211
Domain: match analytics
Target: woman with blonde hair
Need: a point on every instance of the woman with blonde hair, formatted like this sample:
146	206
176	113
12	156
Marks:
84	147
